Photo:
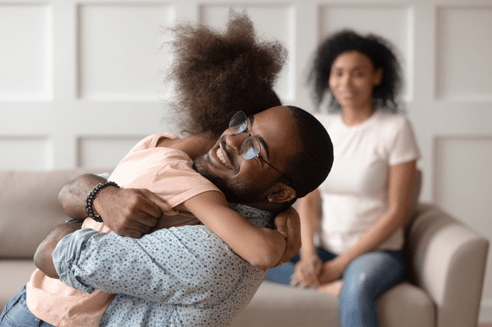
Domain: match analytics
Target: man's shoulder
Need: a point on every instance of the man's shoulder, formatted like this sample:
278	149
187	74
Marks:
196	252
257	217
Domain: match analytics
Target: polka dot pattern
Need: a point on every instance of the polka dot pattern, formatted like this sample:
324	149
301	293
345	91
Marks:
181	276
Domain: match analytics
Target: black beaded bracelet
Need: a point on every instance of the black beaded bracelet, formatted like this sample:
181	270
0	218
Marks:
90	199
74	221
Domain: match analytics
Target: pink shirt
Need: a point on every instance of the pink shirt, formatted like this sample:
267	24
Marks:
165	171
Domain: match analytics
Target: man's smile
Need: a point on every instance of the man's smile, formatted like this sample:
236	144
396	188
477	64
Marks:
223	156
219	157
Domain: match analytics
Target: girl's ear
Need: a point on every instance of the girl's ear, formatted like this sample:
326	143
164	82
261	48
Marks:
281	193
378	76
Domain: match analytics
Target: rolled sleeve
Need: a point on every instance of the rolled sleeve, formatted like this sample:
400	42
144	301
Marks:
66	253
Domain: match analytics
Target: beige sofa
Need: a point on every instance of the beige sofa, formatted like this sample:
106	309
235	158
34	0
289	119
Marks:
446	261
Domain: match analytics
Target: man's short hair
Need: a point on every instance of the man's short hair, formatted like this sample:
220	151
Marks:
310	167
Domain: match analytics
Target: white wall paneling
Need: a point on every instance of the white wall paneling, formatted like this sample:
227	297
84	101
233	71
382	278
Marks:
81	81
104	152
464	68
119	50
25	56
25	153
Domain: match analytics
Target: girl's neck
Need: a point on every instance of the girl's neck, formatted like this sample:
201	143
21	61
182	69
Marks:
356	116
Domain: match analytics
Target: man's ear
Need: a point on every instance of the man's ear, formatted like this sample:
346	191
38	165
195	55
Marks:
281	193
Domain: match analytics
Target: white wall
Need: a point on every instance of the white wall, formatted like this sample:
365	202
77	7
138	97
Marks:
79	81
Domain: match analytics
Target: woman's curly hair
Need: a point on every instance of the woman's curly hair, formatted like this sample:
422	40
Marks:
215	74
382	55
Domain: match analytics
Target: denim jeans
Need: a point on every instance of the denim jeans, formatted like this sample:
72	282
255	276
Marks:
16	313
364	280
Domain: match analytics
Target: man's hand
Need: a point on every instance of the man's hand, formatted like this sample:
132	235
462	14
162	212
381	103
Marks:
130	212
307	272
43	258
289	225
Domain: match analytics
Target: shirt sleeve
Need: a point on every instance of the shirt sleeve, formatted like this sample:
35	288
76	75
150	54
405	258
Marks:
404	147
104	175
176	265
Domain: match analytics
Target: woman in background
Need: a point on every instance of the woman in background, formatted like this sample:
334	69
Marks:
366	198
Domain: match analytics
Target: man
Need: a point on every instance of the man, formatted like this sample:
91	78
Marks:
187	276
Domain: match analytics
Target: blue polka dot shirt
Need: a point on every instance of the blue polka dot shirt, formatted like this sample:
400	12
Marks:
181	276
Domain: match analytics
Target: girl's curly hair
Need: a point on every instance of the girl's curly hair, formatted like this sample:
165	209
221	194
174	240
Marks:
378	50
215	74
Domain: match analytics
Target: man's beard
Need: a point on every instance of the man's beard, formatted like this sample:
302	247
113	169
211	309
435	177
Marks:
236	191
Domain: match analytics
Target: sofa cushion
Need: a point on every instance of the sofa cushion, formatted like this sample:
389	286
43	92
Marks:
281	305
29	208
405	305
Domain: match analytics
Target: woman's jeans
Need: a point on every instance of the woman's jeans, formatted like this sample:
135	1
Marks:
364	280
16	313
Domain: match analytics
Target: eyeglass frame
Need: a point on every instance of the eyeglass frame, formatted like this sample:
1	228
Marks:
291	182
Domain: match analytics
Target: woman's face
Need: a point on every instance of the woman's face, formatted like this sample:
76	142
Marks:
352	79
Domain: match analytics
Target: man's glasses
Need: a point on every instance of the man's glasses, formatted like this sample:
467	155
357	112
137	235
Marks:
250	148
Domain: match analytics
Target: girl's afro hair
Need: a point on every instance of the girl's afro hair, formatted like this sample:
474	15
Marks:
215	74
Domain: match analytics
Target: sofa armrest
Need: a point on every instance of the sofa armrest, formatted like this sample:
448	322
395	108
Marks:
447	259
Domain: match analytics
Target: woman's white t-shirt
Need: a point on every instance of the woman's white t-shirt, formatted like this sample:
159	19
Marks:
354	196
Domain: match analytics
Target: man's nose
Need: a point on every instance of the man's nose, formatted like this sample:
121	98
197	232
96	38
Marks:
235	141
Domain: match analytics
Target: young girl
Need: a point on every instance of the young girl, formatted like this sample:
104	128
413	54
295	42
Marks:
215	75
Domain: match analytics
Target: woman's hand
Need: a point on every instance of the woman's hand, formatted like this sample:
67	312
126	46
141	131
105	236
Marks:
333	288
307	271
289	225
331	271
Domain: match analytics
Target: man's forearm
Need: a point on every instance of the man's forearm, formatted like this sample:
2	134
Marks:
43	258
72	196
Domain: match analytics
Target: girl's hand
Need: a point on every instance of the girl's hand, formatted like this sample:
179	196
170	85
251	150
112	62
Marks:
307	272
288	224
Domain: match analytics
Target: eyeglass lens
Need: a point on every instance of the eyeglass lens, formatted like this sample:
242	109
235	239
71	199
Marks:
238	123
250	147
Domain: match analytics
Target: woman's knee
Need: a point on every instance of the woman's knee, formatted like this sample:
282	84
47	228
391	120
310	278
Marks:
373	273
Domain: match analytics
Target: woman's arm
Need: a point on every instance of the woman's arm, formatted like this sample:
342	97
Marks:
400	186
308	211
308	268
262	247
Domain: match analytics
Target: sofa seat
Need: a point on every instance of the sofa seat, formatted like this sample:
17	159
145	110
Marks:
405	305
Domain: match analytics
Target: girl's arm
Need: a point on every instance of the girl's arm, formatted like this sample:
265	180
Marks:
262	247
400	186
